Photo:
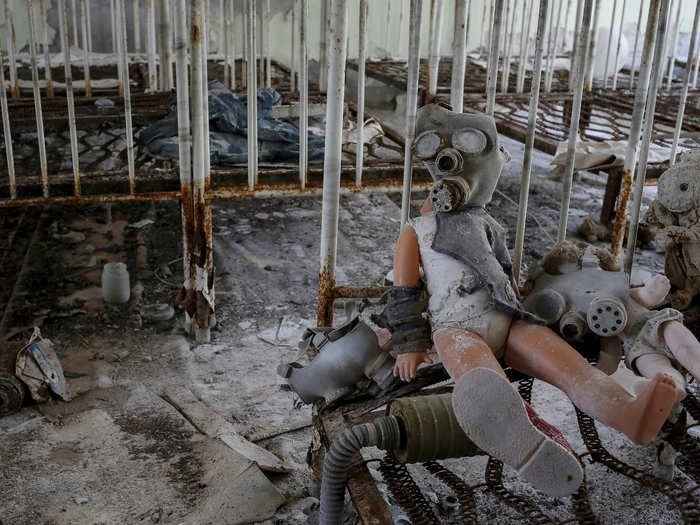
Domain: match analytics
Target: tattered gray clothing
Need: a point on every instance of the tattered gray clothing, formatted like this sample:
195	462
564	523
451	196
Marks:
644	336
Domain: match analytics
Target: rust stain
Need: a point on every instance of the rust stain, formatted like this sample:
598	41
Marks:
196	33
90	199
359	292
619	224
326	286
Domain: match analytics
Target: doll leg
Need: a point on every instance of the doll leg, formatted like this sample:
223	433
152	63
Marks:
537	351
649	365
683	345
495	417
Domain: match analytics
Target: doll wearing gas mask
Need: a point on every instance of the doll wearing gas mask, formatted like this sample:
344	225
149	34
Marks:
475	318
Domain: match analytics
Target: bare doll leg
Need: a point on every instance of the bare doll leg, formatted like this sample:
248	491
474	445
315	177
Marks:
683	345
649	365
537	351
496	419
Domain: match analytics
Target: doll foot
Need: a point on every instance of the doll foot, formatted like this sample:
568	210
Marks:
652	406
494	416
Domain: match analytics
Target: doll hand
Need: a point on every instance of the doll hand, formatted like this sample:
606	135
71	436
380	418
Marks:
407	364
676	234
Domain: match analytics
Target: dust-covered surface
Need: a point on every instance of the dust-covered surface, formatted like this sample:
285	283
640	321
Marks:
118	453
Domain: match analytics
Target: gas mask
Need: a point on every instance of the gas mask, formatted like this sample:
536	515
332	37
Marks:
462	155
587	300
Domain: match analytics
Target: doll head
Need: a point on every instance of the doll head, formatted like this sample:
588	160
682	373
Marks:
461	151
679	188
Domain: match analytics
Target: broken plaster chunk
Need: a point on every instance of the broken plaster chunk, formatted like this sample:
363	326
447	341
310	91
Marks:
71	237
156	313
81	500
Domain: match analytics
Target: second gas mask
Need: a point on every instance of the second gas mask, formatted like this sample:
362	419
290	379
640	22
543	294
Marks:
462	154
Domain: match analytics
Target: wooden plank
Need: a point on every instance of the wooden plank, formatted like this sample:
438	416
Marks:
213	425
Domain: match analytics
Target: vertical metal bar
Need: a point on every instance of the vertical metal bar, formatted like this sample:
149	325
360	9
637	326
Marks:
260	18
252	97
12	180
137	25
303	93
86	52
113	26
686	83
510	15
655	82
549	77
75	21
201	247
592	46
411	104
674	45
120	51
575	116
184	144
244	54
492	74
484	27
88	26
37	100
524	45
638	110
697	65
616	67
565	27
529	140
636	41
12	50
127	94
459	58
322	58
205	95
164	33
223	28
402	7
293	61
387	27
225	37
609	51
492	9
151	45
362	43
63	35
576	53
331	161
232	43
435	37
45	44
266	45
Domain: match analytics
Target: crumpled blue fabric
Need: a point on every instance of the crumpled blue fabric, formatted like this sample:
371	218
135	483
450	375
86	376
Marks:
278	141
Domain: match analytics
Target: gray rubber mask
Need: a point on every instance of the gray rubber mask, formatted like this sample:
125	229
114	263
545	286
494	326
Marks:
462	155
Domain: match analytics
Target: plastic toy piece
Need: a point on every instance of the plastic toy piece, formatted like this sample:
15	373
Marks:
476	318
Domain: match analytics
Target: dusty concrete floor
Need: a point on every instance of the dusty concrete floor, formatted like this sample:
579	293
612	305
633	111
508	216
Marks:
119	453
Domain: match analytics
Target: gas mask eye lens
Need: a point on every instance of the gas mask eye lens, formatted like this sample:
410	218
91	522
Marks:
684	186
427	144
470	141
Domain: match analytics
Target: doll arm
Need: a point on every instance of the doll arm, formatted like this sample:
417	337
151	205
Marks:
682	234
410	331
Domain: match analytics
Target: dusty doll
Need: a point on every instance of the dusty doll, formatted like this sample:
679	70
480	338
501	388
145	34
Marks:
674	217
475	317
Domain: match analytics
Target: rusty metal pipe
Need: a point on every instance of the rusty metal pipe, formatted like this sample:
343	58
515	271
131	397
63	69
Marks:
636	41
575	117
7	133
435	34
37	101
459	59
686	83
252	96
86	51
494	54
332	158
655	81
529	140
63	34
303	94
360	150
640	101
411	104
616	67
